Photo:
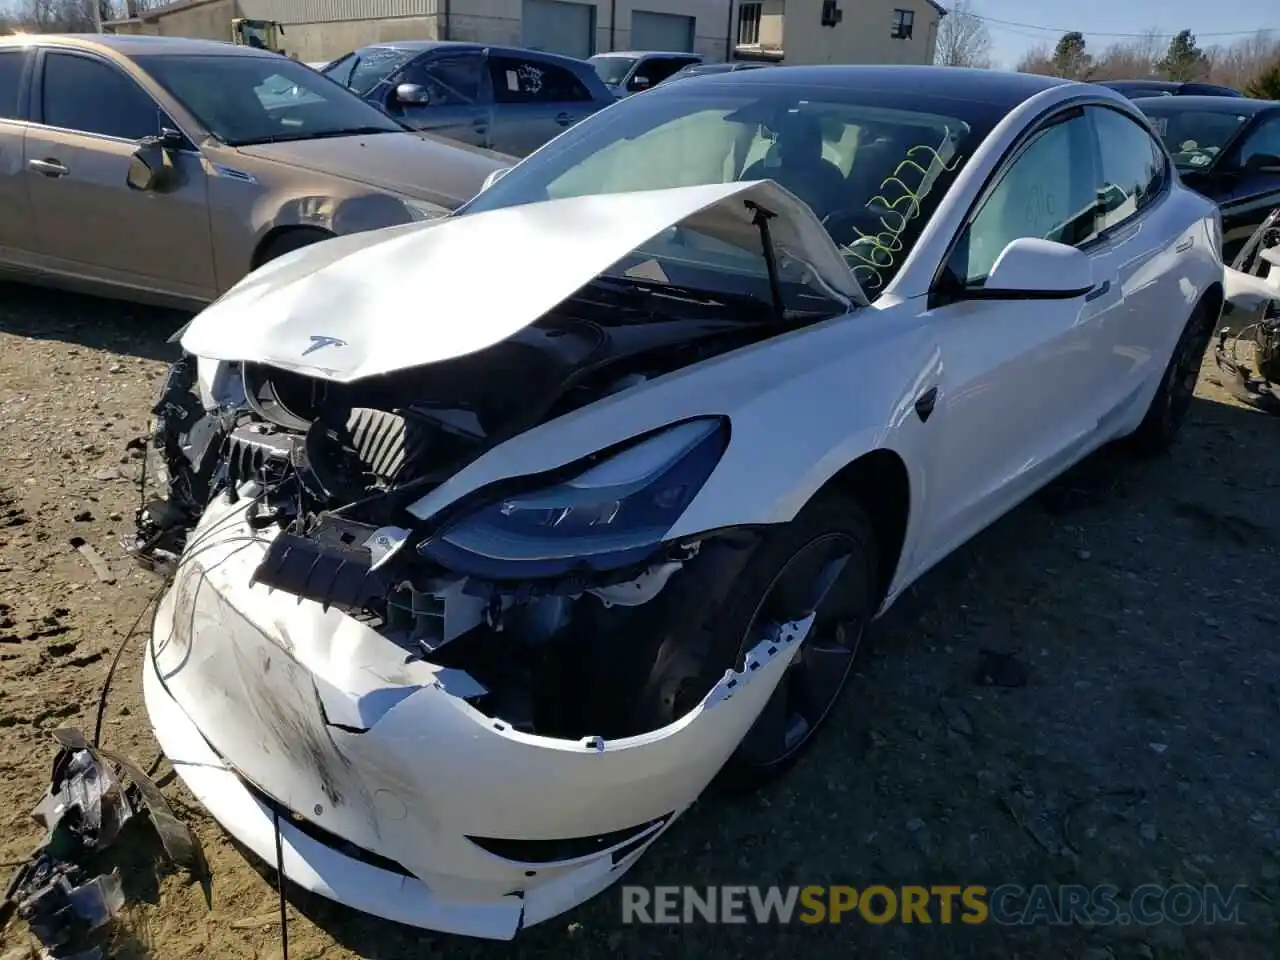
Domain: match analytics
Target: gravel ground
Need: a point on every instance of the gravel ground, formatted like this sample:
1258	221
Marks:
1139	749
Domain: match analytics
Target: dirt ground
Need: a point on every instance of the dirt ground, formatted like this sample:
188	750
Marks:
1142	748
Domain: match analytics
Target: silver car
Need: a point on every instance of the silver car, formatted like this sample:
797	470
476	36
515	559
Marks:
502	98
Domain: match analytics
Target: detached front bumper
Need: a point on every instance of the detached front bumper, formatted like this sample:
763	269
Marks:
399	798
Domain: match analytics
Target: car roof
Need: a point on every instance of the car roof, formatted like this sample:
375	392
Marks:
1211	104
130	45
422	46
648	53
993	87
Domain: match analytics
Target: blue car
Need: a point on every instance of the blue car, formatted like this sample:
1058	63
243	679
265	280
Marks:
502	98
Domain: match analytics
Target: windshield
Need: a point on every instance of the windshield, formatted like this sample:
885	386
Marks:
1195	138
871	165
365	69
613	70
247	100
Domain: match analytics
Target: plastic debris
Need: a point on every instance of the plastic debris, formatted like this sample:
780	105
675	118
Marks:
83	812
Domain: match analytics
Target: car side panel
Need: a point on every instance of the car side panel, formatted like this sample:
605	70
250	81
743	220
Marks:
15	222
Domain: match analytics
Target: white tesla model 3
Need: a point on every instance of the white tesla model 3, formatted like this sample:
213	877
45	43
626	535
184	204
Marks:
496	538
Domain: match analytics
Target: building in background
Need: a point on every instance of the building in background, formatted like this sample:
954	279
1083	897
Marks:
786	31
837	31
320	29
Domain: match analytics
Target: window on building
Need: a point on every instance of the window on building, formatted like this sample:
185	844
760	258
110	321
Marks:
749	23
903	23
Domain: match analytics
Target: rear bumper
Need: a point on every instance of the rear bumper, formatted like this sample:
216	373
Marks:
312	865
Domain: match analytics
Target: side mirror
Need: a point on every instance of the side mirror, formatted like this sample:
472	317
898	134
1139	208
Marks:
1263	163
413	94
494	177
146	167
1033	269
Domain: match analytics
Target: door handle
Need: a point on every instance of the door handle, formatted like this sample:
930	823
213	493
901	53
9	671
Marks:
49	168
925	404
563	119
480	124
1098	291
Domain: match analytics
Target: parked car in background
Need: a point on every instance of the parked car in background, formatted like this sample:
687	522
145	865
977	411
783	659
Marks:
1169	88
630	71
165	169
706	69
502	98
1227	149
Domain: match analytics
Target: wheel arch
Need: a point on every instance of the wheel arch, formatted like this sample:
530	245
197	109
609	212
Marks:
880	483
278	231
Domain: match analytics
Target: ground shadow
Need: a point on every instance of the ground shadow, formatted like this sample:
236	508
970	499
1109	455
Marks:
115	326
899	791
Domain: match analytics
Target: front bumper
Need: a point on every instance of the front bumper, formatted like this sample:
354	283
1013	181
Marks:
385	771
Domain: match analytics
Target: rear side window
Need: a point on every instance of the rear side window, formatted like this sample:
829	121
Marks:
90	96
11	63
1133	167
517	80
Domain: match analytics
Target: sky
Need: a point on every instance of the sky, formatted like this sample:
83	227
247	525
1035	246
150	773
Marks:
1099	19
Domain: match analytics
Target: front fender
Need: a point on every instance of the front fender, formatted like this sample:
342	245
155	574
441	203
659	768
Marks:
801	406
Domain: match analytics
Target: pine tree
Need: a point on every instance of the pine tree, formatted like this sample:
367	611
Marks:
1184	60
1070	58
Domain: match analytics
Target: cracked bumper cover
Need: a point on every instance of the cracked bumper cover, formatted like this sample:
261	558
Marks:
257	696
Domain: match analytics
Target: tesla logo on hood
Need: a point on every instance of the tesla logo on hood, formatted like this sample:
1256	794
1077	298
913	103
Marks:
319	343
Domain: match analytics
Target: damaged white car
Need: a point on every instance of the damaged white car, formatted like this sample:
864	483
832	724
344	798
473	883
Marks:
497	537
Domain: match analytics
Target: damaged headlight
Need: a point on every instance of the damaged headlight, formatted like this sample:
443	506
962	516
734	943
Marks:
610	516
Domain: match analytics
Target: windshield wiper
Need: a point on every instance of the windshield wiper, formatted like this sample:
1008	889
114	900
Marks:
310	135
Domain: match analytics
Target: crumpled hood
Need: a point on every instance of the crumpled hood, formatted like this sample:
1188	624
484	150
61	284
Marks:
373	303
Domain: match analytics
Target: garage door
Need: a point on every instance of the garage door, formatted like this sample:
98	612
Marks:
661	31
559	27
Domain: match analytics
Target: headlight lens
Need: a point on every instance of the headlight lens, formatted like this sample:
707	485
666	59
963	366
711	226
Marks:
607	517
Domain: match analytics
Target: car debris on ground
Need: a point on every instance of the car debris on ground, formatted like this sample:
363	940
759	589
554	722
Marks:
92	795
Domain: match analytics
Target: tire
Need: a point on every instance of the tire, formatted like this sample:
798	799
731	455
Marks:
289	241
775	581
1168	410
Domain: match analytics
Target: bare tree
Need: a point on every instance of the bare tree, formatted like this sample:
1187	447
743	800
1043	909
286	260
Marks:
1243	62
963	38
1134	60
1037	60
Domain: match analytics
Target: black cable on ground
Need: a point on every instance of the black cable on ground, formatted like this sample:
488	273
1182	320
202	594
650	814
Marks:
284	917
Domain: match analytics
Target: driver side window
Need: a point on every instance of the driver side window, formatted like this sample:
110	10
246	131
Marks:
91	96
1048	191
1265	141
451	81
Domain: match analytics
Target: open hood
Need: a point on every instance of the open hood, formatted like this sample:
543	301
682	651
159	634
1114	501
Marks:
373	303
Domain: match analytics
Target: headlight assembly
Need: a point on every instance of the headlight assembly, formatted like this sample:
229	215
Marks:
610	516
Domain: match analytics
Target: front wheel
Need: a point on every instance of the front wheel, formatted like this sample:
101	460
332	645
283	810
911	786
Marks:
1168	410
823	562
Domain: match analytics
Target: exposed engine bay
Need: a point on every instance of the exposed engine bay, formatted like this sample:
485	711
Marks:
330	467
1248	347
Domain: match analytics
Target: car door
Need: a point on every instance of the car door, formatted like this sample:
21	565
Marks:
88	117
457	98
15	214
534	100
1254	190
1016	401
1138	254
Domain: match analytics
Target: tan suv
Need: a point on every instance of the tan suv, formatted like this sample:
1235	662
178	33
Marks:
165	169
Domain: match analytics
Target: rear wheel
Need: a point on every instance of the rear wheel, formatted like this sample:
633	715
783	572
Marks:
1168	410
823	562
